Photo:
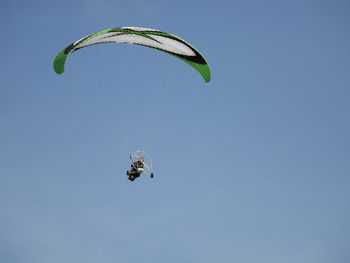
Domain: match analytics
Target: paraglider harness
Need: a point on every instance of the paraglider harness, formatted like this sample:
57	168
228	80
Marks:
135	171
137	168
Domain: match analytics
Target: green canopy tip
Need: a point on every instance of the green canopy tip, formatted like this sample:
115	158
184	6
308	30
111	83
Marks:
58	63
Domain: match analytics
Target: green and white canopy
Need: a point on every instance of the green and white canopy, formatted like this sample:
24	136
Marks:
141	36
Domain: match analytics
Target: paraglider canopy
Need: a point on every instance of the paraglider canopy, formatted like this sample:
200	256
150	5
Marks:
141	36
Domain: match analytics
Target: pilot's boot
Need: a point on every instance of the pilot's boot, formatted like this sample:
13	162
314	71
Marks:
131	178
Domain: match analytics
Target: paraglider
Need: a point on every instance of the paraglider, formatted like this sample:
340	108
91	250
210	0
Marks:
169	43
140	163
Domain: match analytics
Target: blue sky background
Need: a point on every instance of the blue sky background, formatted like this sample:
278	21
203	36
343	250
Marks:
251	167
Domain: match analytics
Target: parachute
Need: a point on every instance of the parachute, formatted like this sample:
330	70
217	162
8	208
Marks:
140	36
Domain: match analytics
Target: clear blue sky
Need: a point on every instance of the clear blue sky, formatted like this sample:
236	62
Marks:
251	167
